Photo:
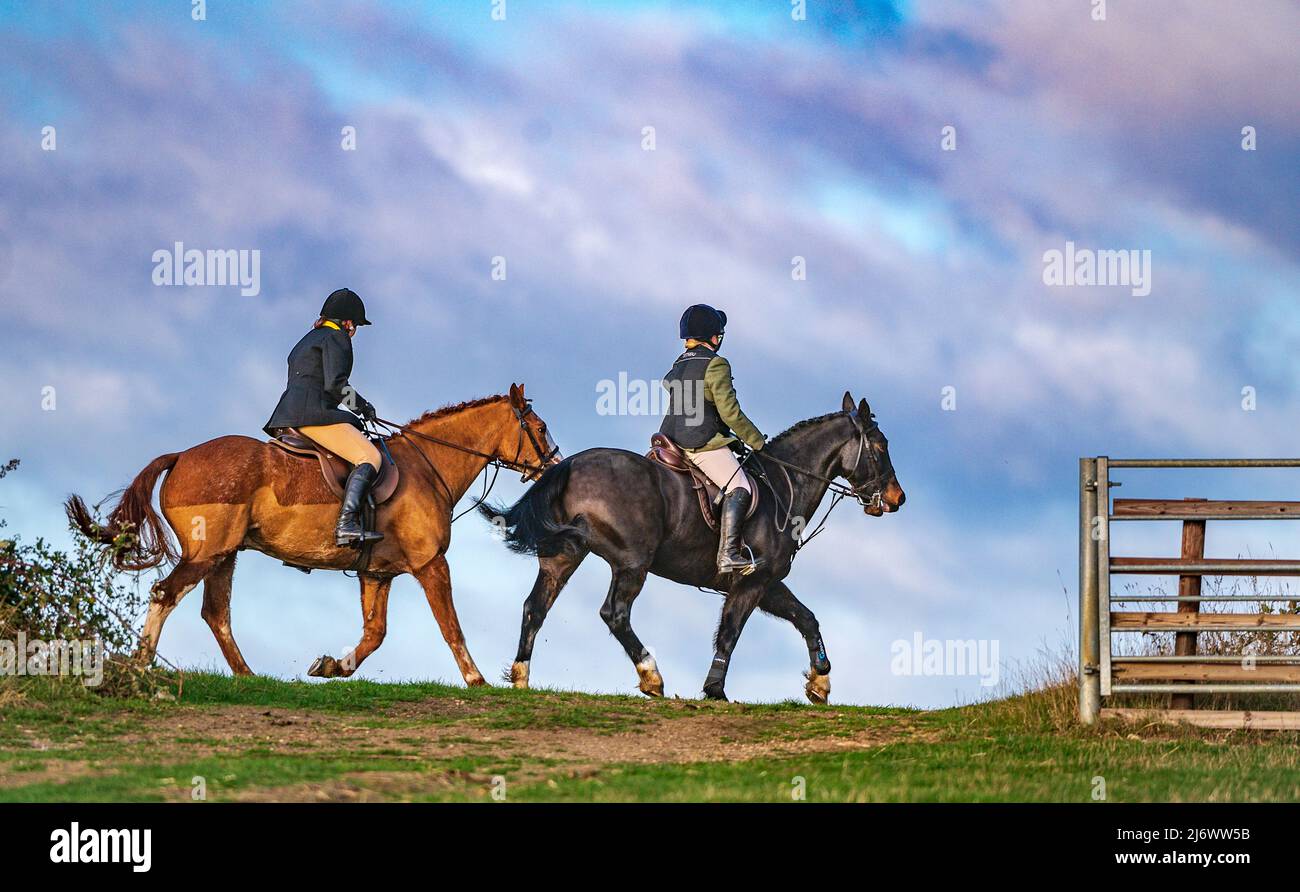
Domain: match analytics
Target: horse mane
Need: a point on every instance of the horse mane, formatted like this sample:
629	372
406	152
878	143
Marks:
800	425
453	408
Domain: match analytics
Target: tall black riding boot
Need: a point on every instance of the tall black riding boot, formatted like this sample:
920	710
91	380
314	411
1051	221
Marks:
350	530
731	559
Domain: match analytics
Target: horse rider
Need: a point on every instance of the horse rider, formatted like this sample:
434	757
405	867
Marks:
319	366
704	418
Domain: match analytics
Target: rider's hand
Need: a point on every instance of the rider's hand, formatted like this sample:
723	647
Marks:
367	410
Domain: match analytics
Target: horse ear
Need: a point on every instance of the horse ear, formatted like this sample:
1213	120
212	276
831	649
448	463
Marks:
848	401
517	394
864	411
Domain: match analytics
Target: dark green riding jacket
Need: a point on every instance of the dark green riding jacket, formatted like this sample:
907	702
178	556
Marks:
719	420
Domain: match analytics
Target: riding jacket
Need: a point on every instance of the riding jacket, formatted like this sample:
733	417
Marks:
703	410
319	366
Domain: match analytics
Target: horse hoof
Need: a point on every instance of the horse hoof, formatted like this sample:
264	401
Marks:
476	681
818	688
519	674
715	692
652	683
324	667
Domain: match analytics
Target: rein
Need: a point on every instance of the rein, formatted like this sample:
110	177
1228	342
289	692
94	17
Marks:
396	430
833	485
782	526
840	491
858	493
513	464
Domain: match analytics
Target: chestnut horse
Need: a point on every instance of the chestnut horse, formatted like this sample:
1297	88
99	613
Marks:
236	492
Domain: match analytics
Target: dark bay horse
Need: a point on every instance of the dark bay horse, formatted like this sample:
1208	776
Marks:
643	518
234	492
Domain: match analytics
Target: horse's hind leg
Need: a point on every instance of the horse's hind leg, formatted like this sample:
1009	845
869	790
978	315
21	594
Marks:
165	595
617	614
435	579
552	574
374	626
779	601
216	612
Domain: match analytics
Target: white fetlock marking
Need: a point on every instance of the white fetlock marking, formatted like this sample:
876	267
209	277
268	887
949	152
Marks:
157	592
519	674
647	665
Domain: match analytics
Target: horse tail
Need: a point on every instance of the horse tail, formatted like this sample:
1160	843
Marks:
134	528
531	526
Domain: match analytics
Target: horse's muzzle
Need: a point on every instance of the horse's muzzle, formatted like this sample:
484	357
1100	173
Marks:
893	497
533	475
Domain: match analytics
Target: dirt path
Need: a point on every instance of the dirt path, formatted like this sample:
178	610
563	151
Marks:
535	745
665	733
462	744
677	731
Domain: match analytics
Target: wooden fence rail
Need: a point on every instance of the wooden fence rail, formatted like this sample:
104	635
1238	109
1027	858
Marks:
1184	673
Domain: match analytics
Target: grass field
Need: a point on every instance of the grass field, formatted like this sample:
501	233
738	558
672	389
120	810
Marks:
267	739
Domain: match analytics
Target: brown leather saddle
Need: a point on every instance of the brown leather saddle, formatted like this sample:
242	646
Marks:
670	455
335	470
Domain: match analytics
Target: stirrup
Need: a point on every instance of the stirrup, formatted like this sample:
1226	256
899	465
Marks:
742	567
356	540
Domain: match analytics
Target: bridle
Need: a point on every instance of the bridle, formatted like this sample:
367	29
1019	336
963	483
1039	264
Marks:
544	456
876	499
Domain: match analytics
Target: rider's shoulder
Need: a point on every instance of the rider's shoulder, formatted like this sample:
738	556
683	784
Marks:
699	351
333	335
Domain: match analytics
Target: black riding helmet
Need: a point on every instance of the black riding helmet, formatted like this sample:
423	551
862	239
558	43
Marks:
701	322
345	304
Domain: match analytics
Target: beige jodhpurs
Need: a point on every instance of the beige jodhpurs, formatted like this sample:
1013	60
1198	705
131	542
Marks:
720	466
345	441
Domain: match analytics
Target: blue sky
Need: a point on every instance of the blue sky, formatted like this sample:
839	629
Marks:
774	139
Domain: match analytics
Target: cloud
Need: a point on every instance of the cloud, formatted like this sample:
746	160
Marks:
771	142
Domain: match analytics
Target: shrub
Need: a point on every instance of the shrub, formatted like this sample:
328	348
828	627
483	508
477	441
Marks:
51	595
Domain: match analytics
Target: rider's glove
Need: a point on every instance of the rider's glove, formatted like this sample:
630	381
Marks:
366	409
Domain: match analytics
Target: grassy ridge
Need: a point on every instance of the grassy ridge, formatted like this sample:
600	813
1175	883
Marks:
264	738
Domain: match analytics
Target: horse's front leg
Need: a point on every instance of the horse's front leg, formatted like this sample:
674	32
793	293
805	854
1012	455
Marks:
779	601
741	601
374	619
435	579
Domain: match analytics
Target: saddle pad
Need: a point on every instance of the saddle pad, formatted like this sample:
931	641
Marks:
335	470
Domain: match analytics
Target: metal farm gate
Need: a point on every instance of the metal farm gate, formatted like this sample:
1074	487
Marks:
1183	673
